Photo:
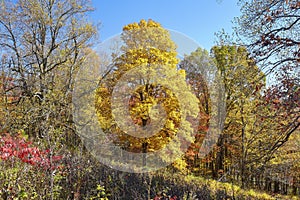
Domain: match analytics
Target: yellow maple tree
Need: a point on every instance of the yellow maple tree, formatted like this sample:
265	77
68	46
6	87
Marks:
144	102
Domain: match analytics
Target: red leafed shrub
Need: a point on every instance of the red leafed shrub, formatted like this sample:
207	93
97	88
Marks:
18	148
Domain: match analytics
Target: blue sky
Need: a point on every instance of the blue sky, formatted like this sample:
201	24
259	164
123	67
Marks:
198	19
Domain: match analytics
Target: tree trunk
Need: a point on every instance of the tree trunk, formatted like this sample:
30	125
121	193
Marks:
285	188
268	184
144	148
220	156
294	190
276	187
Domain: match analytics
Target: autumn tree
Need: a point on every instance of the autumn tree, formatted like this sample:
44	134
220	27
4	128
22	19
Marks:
42	43
155	113
270	30
259	119
200	74
243	82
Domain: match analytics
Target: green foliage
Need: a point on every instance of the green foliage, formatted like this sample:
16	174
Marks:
100	194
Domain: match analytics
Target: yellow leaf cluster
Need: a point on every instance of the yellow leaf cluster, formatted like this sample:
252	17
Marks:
145	44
